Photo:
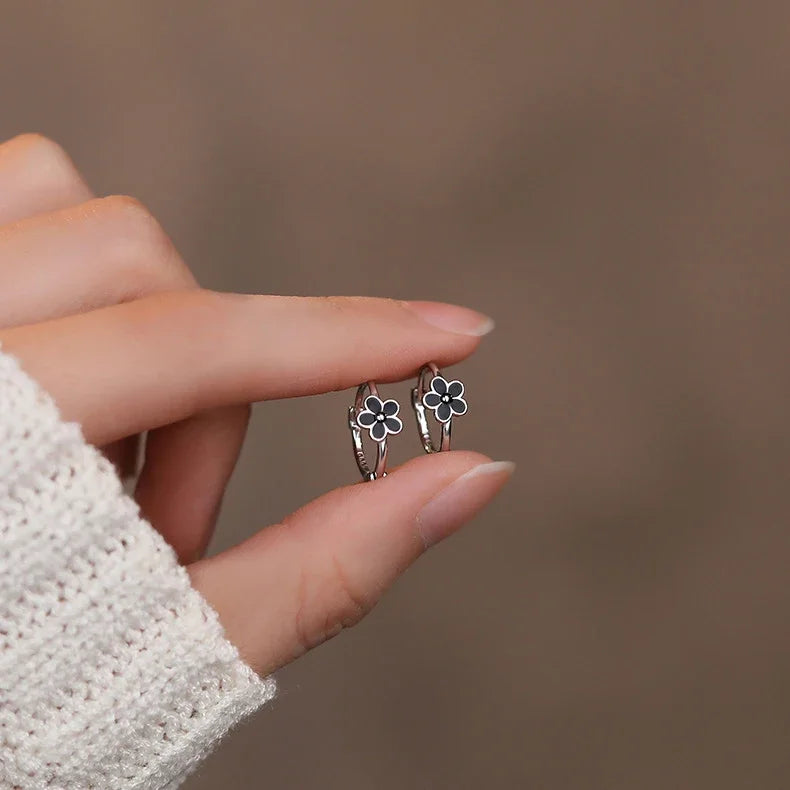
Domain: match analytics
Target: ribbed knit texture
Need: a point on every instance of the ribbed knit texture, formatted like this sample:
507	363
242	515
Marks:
114	672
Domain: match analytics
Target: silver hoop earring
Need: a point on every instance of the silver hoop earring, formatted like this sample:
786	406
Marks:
380	419
444	398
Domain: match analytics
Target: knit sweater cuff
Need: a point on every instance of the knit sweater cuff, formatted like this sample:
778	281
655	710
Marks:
114	672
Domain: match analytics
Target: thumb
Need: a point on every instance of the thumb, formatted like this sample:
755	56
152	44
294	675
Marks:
296	584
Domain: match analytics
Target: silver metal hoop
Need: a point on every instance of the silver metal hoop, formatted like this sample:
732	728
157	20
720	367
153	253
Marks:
379	418
444	398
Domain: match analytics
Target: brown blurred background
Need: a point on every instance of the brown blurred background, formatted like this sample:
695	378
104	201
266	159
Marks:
609	181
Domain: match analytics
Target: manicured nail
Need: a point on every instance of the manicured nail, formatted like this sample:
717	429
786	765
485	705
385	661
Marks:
458	502
453	318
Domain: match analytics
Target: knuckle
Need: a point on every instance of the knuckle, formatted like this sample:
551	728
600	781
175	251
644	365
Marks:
345	303
33	140
125	204
49	159
131	216
328	603
341	304
332	304
40	145
361	305
353	309
141	248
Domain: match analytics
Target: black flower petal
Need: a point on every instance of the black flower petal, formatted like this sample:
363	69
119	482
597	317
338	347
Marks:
455	389
378	431
432	400
372	403
390	408
458	405
443	412
394	425
366	418
439	385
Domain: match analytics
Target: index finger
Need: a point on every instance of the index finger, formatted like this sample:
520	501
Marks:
140	365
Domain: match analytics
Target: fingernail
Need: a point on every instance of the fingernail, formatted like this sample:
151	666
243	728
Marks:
453	318
458	502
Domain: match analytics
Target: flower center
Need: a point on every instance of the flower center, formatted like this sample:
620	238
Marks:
380	417
446	398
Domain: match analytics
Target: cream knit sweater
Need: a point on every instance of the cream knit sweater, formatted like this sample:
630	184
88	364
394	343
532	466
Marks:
114	672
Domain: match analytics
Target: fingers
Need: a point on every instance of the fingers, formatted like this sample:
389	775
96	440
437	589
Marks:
154	361
292	586
187	466
95	254
99	253
36	176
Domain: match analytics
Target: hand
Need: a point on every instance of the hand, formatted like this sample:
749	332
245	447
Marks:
101	310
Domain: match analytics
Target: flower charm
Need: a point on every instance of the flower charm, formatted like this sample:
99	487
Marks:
445	398
379	418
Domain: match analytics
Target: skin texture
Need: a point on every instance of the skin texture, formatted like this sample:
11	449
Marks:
100	308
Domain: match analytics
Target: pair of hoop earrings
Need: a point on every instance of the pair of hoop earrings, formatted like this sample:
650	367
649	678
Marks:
380	418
